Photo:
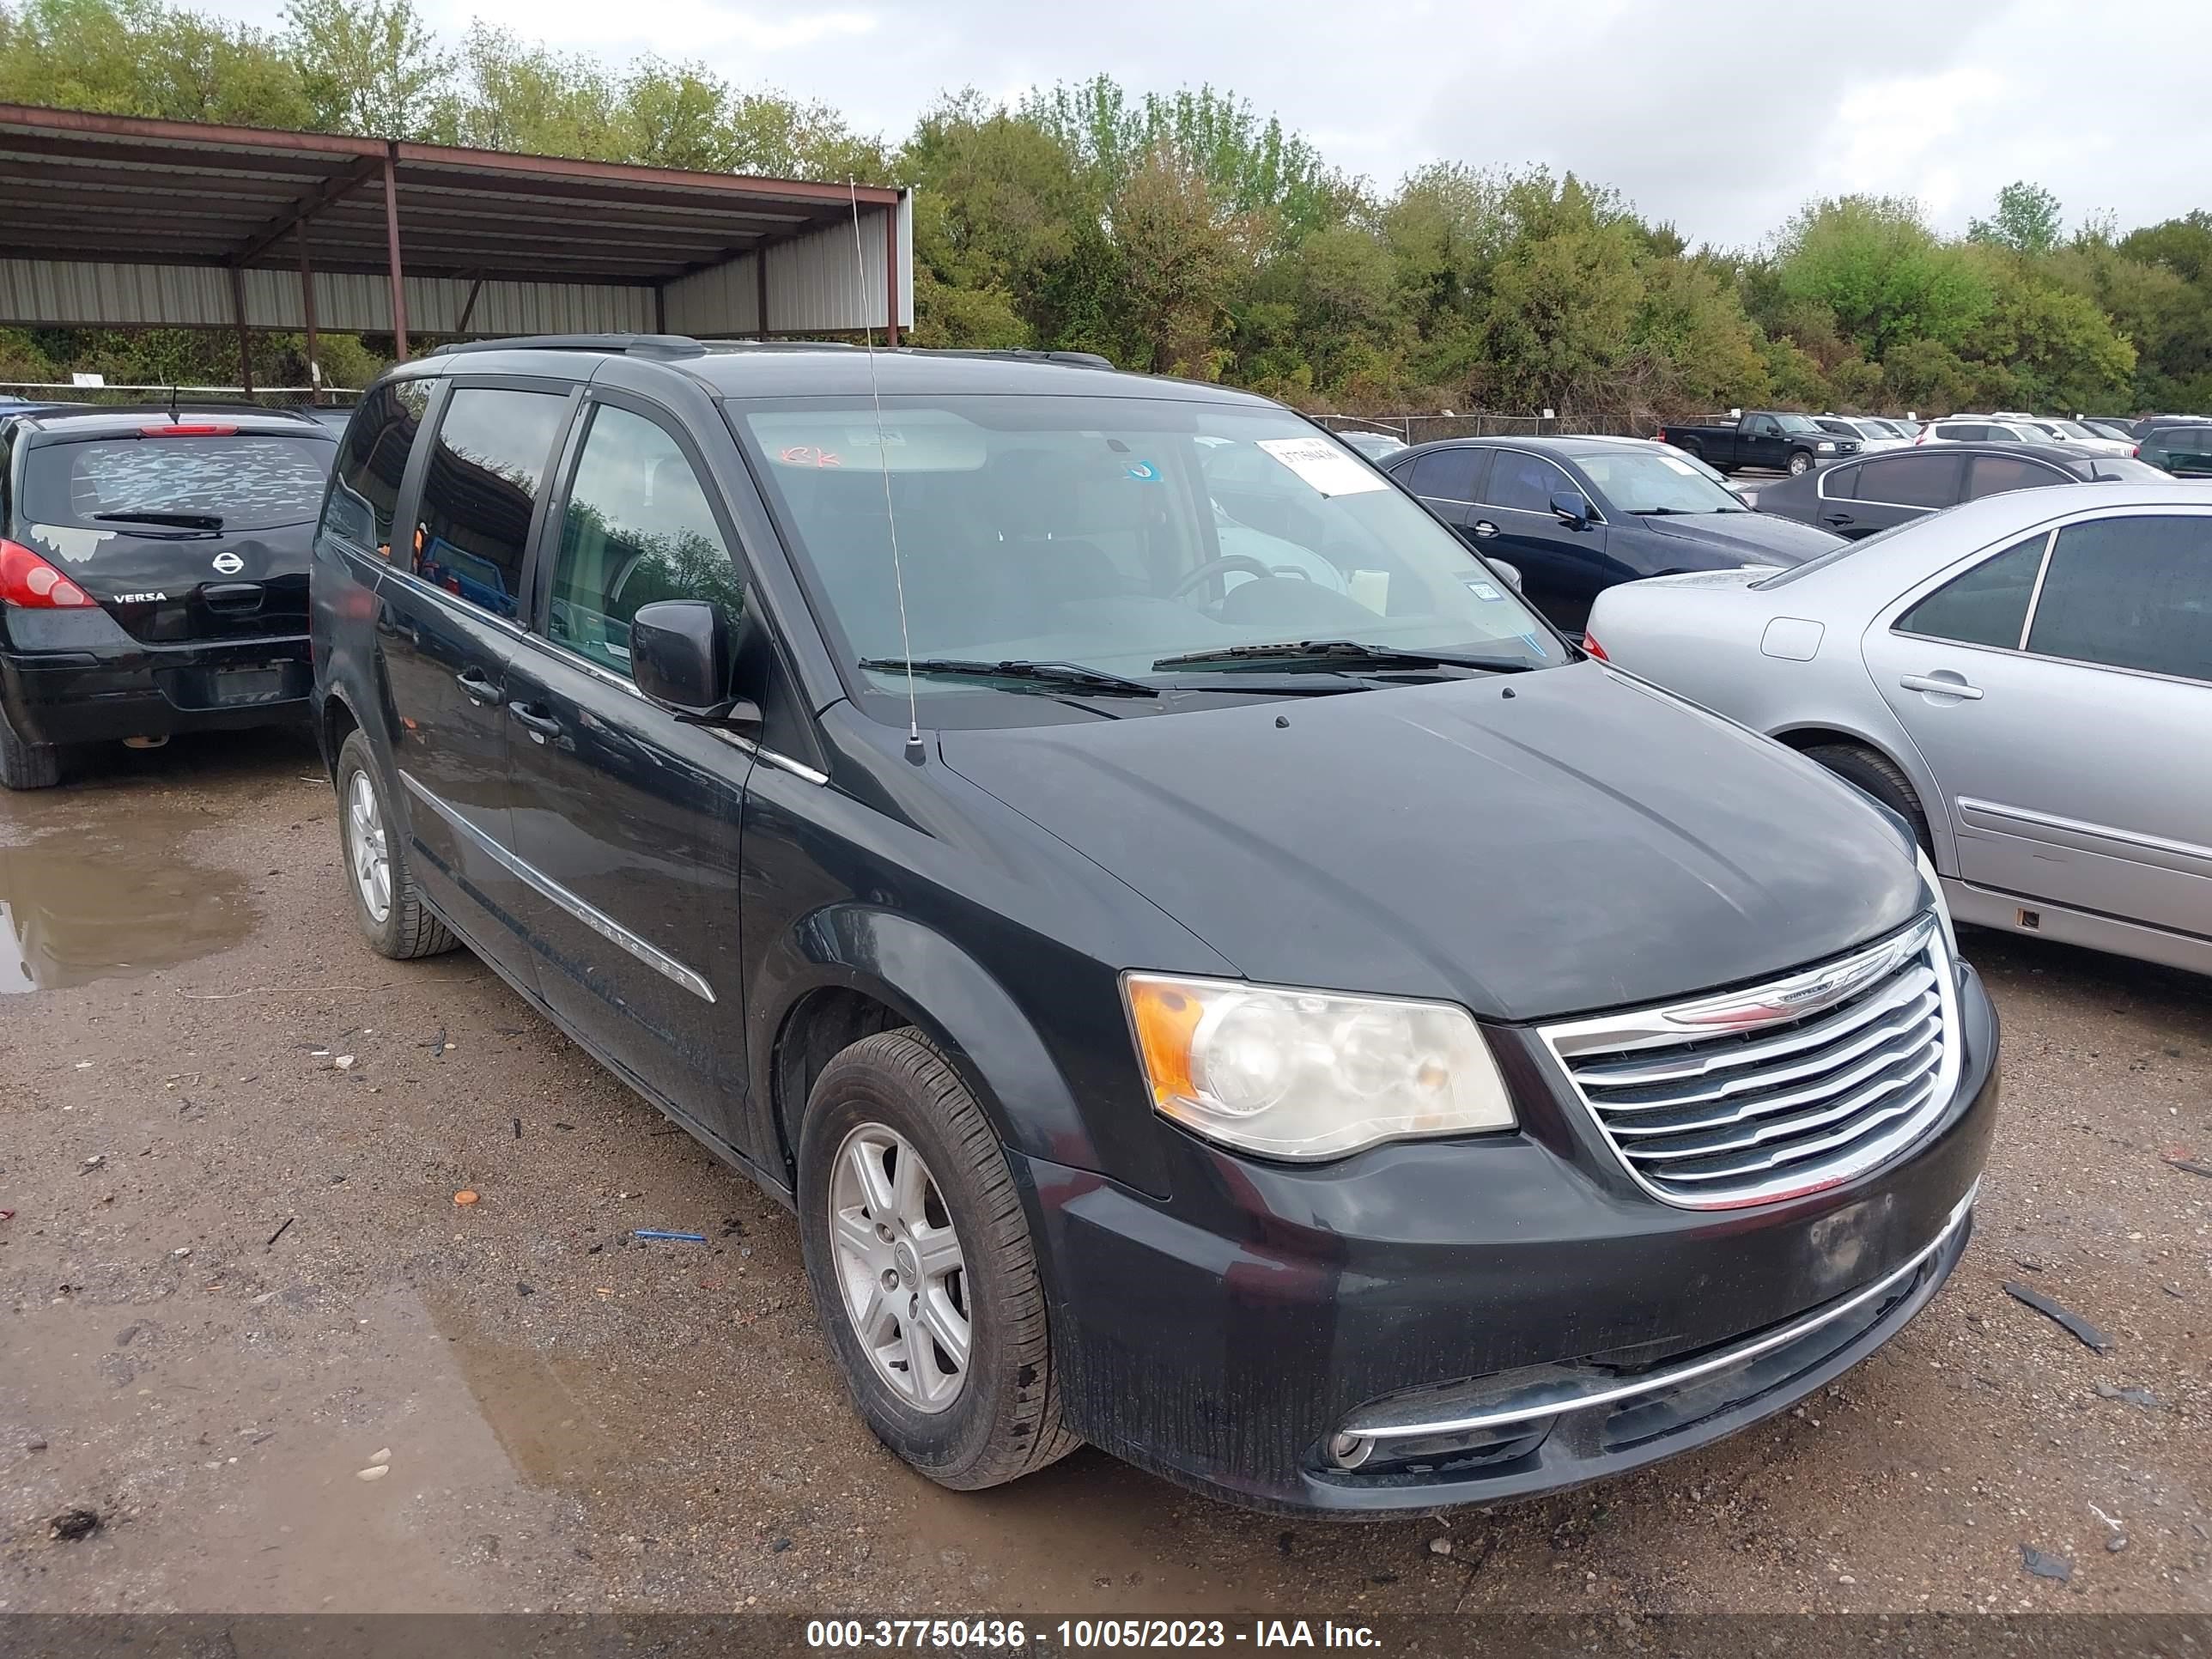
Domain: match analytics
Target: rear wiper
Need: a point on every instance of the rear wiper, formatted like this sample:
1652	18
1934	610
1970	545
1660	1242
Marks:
175	520
1059	675
1326	654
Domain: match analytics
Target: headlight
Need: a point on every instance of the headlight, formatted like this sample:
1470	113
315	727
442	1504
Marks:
1310	1074
1823	444
1942	906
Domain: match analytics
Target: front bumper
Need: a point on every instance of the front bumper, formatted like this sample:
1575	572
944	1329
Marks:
110	690
1392	1331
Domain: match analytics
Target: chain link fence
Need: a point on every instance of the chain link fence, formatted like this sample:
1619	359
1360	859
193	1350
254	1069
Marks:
1480	423
270	397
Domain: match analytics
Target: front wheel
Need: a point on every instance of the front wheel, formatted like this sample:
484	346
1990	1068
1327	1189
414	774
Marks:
1878	777
919	1256
1801	463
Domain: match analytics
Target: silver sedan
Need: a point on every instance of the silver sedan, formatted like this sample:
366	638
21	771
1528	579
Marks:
2026	678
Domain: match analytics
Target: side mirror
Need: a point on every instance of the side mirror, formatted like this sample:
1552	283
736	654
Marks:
1572	508
1511	572
680	653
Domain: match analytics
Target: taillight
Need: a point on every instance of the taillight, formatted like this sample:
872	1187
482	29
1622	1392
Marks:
175	431
29	583
1590	645
1660	436
2136	451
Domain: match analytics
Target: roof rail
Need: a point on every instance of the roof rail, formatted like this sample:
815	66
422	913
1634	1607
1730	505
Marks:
182	406
1023	353
635	345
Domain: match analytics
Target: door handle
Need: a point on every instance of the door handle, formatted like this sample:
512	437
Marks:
1941	687
1484	528
476	688
1835	517
544	725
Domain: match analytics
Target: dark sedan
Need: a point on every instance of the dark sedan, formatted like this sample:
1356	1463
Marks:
1574	516
1857	498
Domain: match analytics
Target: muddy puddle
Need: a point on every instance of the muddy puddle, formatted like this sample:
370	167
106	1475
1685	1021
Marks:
86	897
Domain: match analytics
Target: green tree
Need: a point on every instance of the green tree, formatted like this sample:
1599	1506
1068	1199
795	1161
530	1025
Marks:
369	66
1876	267
2027	220
138	57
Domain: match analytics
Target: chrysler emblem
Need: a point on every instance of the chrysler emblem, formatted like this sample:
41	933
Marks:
229	564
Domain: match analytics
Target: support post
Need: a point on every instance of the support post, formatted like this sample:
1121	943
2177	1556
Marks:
245	340
308	311
760	276
890	275
392	257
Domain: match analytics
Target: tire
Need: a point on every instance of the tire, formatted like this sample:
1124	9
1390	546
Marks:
406	929
1874	775
1801	463
27	765
1002	1421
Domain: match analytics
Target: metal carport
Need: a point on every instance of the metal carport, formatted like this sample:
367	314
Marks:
114	222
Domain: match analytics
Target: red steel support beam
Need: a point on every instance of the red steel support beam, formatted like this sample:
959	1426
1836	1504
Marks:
245	340
890	276
759	287
397	276
308	310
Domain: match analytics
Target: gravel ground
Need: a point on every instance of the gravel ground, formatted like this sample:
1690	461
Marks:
236	1286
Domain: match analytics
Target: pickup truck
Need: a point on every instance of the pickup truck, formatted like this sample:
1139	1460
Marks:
1790	443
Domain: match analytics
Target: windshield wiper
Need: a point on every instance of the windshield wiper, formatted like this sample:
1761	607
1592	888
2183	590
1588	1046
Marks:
175	520
1296	656
1059	675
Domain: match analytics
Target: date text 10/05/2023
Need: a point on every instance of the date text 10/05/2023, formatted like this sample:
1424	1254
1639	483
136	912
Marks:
1083	1635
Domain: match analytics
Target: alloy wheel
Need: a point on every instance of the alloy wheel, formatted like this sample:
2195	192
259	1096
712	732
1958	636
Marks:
366	850
900	1266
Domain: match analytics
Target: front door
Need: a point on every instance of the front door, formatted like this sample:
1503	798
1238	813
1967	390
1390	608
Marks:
627	818
2067	726
447	627
1563	568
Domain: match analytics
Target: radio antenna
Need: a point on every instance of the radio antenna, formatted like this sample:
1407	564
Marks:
913	749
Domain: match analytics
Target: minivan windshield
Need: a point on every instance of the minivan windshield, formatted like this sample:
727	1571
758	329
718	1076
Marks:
1110	534
1650	481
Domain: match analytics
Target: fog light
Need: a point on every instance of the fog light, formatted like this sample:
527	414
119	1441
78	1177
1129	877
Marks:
1349	1451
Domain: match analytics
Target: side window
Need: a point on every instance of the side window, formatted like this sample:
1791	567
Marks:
1765	426
485	477
1964	432
1988	606
1526	482
1920	479
1838	483
1448	474
2131	594
371	460
1992	475
637	528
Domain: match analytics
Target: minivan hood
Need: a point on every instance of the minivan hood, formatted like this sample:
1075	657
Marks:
1550	843
1755	535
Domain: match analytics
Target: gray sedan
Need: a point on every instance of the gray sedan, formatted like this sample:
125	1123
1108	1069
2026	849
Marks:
2026	678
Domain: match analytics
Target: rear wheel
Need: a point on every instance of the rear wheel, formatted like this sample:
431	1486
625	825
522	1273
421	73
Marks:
920	1259
1877	775
26	765
386	903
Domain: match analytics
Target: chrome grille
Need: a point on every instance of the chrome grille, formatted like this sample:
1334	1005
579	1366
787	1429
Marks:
1756	1095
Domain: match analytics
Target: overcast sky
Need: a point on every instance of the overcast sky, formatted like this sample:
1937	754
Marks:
1721	117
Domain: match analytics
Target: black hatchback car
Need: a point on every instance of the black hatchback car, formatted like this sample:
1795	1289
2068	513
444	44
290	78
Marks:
153	574
1855	499
1573	516
1215	976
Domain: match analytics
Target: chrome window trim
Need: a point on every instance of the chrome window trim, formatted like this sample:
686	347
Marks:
538	882
1791	997
1887	617
1562	1396
2080	827
452	602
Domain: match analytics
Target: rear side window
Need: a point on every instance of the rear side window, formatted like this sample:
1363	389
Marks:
1988	606
1919	480
638	528
1840	483
1448	474
371	460
2130	593
1992	475
122	485
484	481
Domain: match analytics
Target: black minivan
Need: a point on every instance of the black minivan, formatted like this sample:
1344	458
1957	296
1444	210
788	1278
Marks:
1214	973
153	574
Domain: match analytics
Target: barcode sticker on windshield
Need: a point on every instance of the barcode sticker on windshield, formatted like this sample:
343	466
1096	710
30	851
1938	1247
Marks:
1323	465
